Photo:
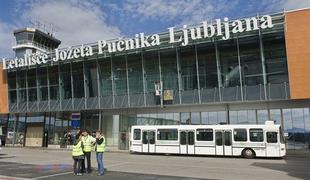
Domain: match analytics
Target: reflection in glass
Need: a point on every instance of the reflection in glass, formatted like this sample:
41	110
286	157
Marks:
105	76
299	128
229	63
119	73
207	66
78	80
185	118
168	63
91	79
195	118
288	128
262	116
134	63
188	67
151	68
275	115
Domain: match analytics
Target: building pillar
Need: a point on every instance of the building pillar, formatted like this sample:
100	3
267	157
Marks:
85	80
262	55
98	83
113	89
48	89
72	89
143	79
160	79
197	74
179	75
240	69
127	81
59	86
218	68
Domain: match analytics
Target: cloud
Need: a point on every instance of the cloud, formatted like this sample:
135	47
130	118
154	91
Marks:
184	10
295	4
195	11
6	39
77	22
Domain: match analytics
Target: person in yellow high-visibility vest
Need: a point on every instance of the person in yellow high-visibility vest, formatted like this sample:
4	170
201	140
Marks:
88	142
100	148
77	155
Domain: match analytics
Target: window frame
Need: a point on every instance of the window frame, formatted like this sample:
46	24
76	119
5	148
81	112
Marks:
246	134
267	138
175	131
134	135
256	129
206	130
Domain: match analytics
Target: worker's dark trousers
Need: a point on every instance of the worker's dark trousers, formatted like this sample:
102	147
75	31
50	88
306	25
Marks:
87	159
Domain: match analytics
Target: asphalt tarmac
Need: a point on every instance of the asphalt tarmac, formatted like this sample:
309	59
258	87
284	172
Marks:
27	163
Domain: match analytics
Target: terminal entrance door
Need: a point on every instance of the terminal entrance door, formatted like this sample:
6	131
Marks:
34	136
187	142
148	141
223	141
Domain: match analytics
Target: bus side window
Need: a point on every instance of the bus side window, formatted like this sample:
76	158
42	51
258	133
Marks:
137	134
204	135
272	137
240	135
256	135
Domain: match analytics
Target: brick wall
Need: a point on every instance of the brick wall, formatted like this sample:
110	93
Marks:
297	38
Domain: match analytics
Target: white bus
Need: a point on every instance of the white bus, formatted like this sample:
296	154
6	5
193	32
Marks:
248	141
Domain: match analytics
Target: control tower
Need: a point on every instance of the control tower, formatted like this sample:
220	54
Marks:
33	40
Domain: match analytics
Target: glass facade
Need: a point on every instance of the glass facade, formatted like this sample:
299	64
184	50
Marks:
250	66
117	127
239	69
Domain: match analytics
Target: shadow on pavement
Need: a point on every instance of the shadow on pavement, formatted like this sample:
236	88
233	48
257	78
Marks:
64	171
4	156
114	175
298	167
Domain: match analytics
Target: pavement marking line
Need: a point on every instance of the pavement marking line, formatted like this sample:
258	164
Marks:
52	175
119	164
11	178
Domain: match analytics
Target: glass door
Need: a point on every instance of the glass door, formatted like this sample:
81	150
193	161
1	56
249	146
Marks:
187	142
223	142
148	141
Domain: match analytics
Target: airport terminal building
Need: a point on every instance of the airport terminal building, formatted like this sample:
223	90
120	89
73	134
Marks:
243	71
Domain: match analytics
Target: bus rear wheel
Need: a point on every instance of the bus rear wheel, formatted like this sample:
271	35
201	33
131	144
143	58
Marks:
248	153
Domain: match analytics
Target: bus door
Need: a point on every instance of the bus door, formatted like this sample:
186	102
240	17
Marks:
187	142
272	144
148	141
223	141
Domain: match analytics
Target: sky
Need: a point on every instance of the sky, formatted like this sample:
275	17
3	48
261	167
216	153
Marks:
81	22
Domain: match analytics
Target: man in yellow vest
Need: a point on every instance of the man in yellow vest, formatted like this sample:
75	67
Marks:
77	155
100	148
88	142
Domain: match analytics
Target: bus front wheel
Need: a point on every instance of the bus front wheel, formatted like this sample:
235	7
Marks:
248	153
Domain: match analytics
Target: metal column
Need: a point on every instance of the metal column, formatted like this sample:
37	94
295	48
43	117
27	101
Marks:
98	82
72	89
160	79
179	75
197	73
48	89
127	81
59	86
218	68
86	93
240	69
143	79
112	78
261	46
